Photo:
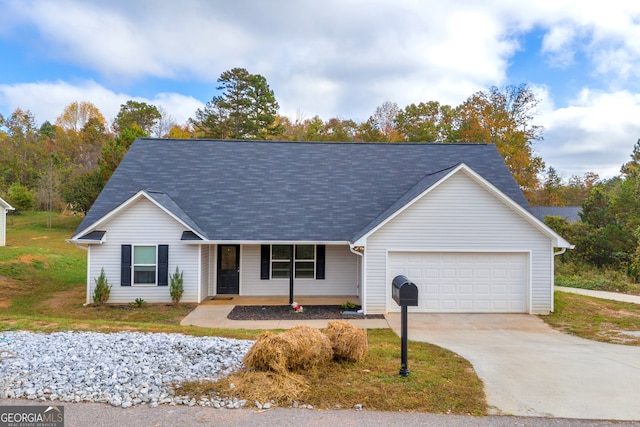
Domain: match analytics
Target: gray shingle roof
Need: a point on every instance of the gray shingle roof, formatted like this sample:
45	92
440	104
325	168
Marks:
570	213
289	191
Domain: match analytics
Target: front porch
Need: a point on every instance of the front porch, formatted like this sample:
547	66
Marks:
234	300
213	314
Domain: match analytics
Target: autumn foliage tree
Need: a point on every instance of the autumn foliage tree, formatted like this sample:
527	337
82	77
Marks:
77	114
504	117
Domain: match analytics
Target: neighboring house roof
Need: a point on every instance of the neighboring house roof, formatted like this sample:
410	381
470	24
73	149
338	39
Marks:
288	191
6	205
570	213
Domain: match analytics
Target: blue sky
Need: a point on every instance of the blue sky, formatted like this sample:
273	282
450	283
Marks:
339	59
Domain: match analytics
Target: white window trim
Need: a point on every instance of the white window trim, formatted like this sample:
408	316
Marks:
134	265
295	260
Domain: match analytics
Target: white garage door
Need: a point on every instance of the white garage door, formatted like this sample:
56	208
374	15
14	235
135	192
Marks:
464	282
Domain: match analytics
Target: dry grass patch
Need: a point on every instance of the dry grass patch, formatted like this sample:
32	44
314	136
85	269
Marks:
596	319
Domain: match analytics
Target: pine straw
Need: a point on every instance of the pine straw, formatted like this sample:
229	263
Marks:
282	388
298	349
349	342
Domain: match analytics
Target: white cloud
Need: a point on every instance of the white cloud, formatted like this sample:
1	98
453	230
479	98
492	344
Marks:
595	133
370	51
336	58
47	100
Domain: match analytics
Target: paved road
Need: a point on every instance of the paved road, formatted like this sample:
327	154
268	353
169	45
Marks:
529	369
93	414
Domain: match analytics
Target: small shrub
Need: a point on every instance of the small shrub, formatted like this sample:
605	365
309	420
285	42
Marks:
348	305
138	303
176	289
348	342
102	290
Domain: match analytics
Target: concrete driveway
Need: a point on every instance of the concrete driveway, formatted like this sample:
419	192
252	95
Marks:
530	369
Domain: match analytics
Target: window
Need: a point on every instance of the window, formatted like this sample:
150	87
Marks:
280	261
144	265
304	261
309	261
305	264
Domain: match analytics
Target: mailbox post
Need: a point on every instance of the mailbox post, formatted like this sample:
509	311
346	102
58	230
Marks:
405	294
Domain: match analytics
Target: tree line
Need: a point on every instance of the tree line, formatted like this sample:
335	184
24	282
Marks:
608	235
69	161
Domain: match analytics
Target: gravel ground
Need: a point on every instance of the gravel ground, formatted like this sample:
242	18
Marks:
123	369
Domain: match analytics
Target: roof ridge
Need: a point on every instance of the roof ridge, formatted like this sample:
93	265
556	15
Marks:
262	141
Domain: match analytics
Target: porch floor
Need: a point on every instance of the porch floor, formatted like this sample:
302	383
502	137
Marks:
281	300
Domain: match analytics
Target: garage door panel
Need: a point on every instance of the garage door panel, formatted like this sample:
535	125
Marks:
483	289
466	282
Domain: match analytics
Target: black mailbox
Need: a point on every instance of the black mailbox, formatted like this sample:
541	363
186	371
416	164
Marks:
404	292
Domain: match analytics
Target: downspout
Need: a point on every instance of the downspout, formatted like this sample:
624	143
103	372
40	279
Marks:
553	277
560	252
362	295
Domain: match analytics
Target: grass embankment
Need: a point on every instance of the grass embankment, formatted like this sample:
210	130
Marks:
596	319
579	275
43	279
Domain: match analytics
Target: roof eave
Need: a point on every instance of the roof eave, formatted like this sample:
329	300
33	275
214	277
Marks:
558	241
266	242
123	206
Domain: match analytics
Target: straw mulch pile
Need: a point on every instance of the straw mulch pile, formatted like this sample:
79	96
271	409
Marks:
276	364
298	349
348	342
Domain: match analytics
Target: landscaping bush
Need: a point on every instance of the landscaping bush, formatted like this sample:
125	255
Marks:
176	289
298	349
102	290
348	342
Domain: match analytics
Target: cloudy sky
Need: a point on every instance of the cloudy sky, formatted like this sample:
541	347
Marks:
339	58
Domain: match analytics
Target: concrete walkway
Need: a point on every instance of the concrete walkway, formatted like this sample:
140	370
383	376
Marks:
615	296
215	316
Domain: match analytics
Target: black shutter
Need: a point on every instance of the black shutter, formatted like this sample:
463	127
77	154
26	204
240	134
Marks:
320	261
163	265
264	261
125	265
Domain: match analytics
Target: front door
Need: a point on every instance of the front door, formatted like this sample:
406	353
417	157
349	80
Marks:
228	269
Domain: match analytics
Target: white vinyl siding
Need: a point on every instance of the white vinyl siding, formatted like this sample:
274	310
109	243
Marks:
341	275
459	215
3	226
143	223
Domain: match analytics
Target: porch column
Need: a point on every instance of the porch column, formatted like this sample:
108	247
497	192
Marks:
291	269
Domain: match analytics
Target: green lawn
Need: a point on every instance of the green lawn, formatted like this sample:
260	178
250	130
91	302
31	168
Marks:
596	319
43	281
